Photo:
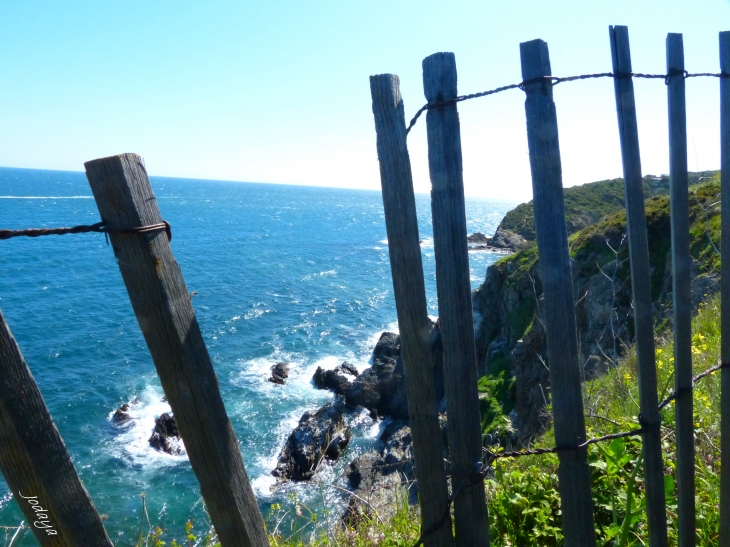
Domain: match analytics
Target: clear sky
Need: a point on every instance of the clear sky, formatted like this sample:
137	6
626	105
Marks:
279	91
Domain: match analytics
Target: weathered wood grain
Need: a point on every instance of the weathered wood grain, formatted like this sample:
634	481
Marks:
35	462
165	314
725	289
410	301
454	298
640	285
557	286
682	293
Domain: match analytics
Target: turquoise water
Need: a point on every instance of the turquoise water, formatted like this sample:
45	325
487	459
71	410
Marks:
282	273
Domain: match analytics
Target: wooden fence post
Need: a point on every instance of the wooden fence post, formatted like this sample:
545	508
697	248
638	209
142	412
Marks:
165	314
454	297
682	299
725	289
559	310
410	300
35	462
641	286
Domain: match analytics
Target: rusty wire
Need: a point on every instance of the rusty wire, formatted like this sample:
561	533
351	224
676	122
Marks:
555	80
99	227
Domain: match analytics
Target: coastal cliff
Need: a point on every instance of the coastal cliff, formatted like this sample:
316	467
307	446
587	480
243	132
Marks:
511	344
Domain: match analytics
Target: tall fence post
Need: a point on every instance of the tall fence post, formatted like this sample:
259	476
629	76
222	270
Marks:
406	267
165	314
681	286
641	286
454	297
559	310
725	288
35	462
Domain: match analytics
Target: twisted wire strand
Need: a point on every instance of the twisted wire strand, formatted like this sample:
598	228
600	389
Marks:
555	80
99	227
480	470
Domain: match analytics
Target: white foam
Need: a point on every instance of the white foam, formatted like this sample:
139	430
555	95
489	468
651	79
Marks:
383	241
131	440
327	273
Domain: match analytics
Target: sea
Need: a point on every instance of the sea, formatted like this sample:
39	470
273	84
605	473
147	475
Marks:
298	274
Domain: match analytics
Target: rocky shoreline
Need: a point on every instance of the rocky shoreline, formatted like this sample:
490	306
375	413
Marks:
375	477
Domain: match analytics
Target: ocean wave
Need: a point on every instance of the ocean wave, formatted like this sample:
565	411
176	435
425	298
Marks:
131	439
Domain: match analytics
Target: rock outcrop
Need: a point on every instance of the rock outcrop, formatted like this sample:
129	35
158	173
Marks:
319	435
379	476
511	336
508	240
121	416
381	388
166	437
334	379
279	373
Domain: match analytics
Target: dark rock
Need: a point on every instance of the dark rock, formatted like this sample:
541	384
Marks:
318	436
165	436
279	373
379	476
347	368
388	346
478	237
331	379
381	388
506	239
121	416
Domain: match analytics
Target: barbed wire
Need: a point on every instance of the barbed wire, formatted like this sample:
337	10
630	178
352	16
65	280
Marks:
555	80
482	468
99	227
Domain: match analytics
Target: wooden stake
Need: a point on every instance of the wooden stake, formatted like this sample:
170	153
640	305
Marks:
641	286
35	462
557	287
454	298
681	285
725	289
165	314
410	300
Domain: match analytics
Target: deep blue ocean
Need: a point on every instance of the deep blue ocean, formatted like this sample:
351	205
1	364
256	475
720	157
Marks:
281	273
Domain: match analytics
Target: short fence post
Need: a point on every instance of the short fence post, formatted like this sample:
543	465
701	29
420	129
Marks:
35	462
559	310
165	314
410	299
681	281
725	288
641	286
454	298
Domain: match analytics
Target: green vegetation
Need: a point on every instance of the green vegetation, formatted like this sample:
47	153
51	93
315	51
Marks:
496	399
587	203
524	504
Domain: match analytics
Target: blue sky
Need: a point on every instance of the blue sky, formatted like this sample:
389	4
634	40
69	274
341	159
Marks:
279	92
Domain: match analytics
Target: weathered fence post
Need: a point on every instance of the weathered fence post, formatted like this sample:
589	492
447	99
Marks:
559	309
681	285
641	286
410	300
725	288
454	297
35	462
165	314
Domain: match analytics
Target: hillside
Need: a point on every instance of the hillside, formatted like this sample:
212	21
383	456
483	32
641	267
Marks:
584	205
511	345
